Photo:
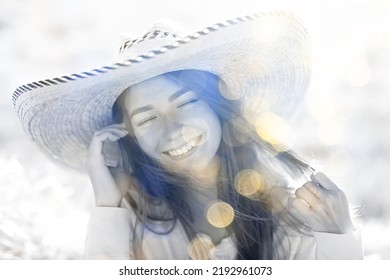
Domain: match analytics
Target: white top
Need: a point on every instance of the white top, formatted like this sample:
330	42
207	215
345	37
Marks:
110	231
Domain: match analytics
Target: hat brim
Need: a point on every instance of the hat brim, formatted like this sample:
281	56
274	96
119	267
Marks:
264	55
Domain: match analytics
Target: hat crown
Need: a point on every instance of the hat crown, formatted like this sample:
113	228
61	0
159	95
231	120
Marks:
161	33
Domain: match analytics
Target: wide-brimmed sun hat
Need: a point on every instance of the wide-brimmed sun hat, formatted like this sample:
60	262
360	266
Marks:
263	55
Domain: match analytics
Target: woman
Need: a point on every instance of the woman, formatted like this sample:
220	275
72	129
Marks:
180	160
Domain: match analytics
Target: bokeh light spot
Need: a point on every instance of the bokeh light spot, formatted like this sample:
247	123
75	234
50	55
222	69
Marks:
210	173
275	199
227	93
273	129
252	106
236	132
247	182
201	248
220	214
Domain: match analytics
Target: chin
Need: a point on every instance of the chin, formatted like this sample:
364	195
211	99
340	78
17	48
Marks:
187	166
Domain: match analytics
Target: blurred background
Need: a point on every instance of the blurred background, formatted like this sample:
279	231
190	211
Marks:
344	124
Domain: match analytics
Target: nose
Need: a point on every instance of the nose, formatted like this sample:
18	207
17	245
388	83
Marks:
172	129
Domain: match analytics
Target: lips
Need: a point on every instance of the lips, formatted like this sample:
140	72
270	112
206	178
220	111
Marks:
184	150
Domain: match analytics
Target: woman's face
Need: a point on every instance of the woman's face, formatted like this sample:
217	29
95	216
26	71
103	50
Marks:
172	124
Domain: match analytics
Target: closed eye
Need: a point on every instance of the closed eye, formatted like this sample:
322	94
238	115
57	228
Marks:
146	120
187	102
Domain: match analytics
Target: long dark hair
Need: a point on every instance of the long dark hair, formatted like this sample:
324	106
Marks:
161	193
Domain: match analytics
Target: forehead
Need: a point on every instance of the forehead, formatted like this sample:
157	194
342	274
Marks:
150	91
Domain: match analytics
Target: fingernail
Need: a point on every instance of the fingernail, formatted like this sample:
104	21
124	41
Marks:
314	174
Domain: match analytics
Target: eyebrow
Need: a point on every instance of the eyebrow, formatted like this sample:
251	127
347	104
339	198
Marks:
141	110
171	98
179	93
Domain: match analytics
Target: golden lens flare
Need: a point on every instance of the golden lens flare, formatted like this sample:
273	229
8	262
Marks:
247	182
201	248
220	214
273	129
226	93
235	132
208	176
241	130
252	106
275	199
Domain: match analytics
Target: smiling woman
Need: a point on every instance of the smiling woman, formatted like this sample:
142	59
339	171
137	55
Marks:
177	128
177	142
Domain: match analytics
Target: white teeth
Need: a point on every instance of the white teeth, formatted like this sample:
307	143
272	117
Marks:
185	149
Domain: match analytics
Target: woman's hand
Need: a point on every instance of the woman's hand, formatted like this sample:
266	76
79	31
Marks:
322	205
107	193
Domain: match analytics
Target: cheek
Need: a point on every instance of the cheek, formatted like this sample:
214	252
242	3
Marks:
147	140
209	125
215	132
213	123
204	117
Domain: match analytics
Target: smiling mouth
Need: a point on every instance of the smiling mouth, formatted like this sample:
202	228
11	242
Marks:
184	150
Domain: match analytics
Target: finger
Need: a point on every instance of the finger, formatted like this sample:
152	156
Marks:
114	126
112	137
98	140
96	144
111	131
117	125
104	136
314	188
323	181
307	197
292	209
302	208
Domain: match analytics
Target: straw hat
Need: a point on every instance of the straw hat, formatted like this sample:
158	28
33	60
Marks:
263	55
